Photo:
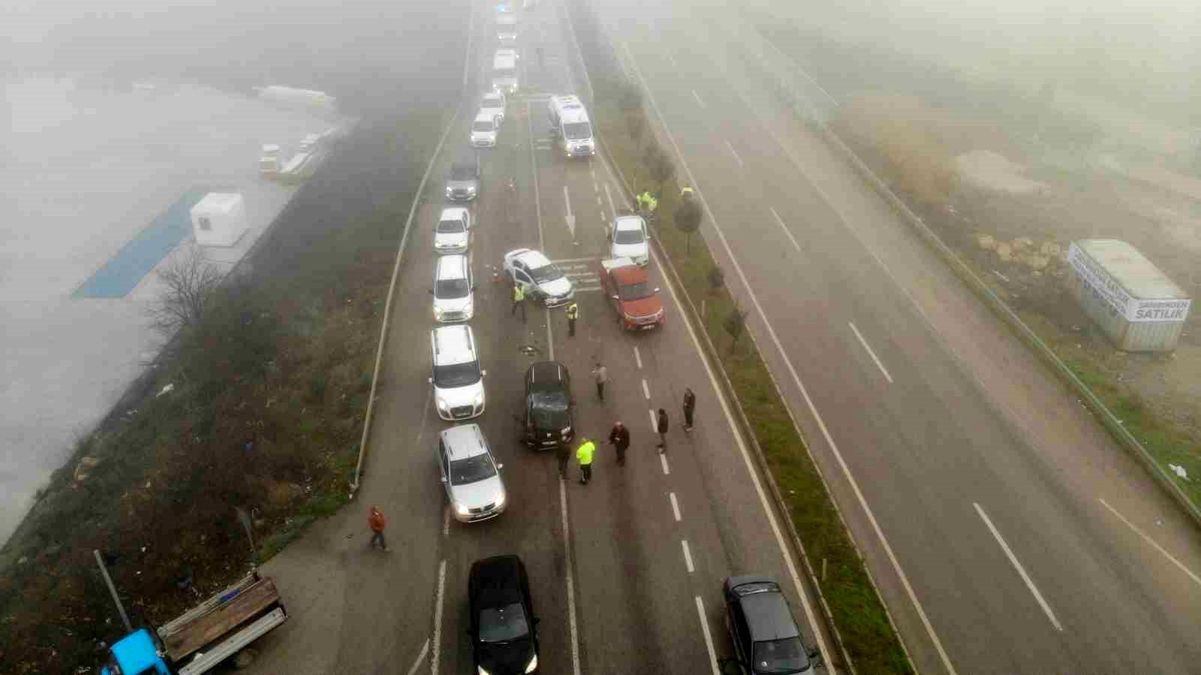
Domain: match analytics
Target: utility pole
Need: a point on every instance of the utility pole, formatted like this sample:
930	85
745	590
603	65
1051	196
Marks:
112	591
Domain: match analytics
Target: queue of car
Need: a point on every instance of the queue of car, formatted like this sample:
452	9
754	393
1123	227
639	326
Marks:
503	625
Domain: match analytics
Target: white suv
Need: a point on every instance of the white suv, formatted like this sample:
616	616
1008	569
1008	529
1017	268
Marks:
628	238
470	474
457	379
483	130
540	277
454	297
493	104
452	234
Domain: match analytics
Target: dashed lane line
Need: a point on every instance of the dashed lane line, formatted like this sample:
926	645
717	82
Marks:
437	650
675	506
646	390
1013	559
687	556
870	352
700	612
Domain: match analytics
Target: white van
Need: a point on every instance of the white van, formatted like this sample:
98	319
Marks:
483	130
504	72
454	297
570	123
458	380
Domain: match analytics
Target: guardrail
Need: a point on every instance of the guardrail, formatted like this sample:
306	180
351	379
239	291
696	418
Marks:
803	108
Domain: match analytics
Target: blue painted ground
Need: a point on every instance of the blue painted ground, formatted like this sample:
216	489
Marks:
123	271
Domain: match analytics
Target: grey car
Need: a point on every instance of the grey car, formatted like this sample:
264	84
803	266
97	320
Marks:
463	181
765	636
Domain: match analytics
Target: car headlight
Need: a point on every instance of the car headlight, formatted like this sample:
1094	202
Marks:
478	400
462	510
448	191
500	501
565	431
480	670
442	407
532	665
471	190
438	312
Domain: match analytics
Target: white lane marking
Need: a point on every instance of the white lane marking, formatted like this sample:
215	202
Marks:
600	203
675	506
425	648
700	611
575	636
735	154
595	185
698	99
638	358
793	64
892	558
787	232
446	521
467	51
654	422
1152	542
434	655
663	462
570	215
534	169
646	391
1018	566
687	556
870	352
609	196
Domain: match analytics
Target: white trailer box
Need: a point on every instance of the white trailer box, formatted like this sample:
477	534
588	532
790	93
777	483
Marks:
219	219
1137	306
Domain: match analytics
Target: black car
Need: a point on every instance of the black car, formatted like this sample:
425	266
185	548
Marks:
549	408
766	638
504	635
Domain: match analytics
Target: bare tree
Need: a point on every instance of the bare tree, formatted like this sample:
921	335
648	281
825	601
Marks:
735	324
688	220
188	284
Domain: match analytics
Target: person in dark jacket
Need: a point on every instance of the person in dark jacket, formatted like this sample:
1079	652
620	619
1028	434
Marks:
661	427
689	407
563	454
619	438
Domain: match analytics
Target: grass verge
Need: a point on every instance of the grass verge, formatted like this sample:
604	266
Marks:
858	614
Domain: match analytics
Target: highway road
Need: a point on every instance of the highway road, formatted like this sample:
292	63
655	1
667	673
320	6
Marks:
626	571
1007	532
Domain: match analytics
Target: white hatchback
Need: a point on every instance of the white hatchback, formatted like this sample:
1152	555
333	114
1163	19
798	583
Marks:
483	130
457	378
452	234
539	277
470	474
454	289
628	238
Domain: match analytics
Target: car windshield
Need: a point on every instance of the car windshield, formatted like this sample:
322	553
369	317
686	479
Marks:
576	131
628	237
457	375
492	102
548	409
471	470
780	656
548	272
503	624
451	226
481	125
452	288
459	172
635	291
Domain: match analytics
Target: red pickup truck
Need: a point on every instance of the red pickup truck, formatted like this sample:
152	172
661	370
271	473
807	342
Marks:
627	286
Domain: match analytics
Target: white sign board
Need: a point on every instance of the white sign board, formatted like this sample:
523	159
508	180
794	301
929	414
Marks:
1103	286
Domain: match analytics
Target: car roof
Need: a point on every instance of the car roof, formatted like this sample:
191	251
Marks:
482	116
532	259
546	375
496	580
453	344
768	616
463	441
452	267
628	222
630	274
493	94
453	213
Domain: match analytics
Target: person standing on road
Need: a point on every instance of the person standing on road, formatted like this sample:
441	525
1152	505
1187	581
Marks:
518	301
661	427
377	523
583	455
619	438
573	313
563	454
689	407
601	375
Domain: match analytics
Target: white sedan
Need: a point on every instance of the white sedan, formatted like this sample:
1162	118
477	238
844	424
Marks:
540	277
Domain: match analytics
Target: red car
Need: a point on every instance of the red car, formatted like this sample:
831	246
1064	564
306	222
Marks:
627	286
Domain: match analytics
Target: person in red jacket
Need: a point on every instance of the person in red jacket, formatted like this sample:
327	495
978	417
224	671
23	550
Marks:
377	522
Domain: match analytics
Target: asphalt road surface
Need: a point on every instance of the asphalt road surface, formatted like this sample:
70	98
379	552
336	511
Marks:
625	571
1008	533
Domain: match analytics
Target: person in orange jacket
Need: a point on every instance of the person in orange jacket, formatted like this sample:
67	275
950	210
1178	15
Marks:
377	522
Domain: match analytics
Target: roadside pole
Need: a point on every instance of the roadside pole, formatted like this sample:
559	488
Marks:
112	591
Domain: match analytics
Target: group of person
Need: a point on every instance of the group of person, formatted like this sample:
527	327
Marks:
619	435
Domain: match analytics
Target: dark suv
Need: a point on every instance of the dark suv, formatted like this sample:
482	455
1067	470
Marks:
463	181
549	408
504	635
766	638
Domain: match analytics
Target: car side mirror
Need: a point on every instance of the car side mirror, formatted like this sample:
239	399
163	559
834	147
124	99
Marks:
444	479
613	297
500	466
483	373
431	291
815	657
656	289
430	380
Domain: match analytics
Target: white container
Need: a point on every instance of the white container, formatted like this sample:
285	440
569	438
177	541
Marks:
1134	303
219	219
